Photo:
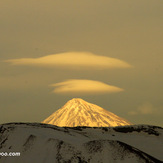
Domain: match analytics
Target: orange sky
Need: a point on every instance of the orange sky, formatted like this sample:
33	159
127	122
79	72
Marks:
106	43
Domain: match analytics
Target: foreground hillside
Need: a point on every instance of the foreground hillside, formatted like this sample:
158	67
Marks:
43	143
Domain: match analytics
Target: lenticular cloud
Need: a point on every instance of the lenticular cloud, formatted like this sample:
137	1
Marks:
72	60
84	87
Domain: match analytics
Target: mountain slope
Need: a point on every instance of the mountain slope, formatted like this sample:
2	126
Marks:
78	112
48	143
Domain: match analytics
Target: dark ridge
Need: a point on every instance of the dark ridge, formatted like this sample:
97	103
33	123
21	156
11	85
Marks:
59	156
147	129
49	125
125	149
74	154
2	144
94	146
35	124
3	128
29	142
125	129
140	153
105	129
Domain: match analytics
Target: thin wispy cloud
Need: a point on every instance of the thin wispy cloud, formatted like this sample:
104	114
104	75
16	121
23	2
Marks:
72	60
144	109
83	87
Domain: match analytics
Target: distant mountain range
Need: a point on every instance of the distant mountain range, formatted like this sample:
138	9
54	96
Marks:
78	112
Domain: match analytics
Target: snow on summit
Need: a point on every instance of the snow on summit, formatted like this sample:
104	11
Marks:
78	112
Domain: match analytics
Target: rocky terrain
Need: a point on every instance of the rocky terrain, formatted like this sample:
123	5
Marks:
43	143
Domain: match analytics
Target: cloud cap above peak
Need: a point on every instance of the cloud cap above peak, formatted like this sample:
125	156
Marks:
84	87
72	60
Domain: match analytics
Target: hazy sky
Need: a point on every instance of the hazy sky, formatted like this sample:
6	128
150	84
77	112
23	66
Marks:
106	52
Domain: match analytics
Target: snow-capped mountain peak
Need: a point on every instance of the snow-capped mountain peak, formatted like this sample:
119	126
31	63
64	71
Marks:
78	112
